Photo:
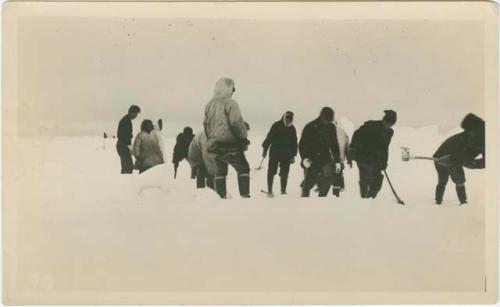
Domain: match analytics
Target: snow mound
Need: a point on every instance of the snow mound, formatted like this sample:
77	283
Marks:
150	231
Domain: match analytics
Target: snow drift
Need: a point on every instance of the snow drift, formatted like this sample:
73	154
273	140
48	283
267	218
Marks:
97	230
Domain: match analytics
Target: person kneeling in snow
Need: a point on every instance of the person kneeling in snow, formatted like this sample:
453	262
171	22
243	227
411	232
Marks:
181	147
338	183
319	150
458	151
370	150
202	162
282	138
227	137
147	148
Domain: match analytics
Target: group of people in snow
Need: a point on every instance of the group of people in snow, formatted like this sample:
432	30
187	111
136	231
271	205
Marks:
324	148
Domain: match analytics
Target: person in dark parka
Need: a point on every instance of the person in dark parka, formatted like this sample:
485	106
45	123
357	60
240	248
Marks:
458	151
319	149
370	150
181	147
282	141
124	143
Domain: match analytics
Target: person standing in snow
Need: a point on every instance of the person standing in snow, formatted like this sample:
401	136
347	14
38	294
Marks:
458	151
319	150
282	139
181	147
338	183
147	149
202	162
160	124
227	137
370	150
104	141
123	146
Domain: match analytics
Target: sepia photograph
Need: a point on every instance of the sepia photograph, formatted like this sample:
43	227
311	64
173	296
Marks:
250	153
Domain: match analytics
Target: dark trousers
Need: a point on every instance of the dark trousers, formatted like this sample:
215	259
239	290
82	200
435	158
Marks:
456	172
125	158
239	162
320	175
284	165
370	180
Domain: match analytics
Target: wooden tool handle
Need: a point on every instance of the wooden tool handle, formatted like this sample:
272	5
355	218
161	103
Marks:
422	158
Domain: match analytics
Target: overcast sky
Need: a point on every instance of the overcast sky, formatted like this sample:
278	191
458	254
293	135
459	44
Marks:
79	76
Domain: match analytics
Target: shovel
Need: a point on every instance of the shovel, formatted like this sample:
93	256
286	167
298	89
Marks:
406	156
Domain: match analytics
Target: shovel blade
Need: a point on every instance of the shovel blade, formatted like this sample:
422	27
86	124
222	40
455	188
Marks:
405	154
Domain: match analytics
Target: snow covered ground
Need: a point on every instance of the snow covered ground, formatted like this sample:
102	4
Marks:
90	228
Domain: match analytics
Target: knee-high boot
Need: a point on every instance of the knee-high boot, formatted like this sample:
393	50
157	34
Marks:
323	187
376	185
462	196
270	179
244	185
210	182
336	192
440	188
200	181
220	186
284	183
363	188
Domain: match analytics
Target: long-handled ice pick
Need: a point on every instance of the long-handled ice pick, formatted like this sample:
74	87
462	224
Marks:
258	168
393	190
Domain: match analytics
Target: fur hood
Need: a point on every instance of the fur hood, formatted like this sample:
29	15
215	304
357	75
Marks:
223	123
287	114
224	88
